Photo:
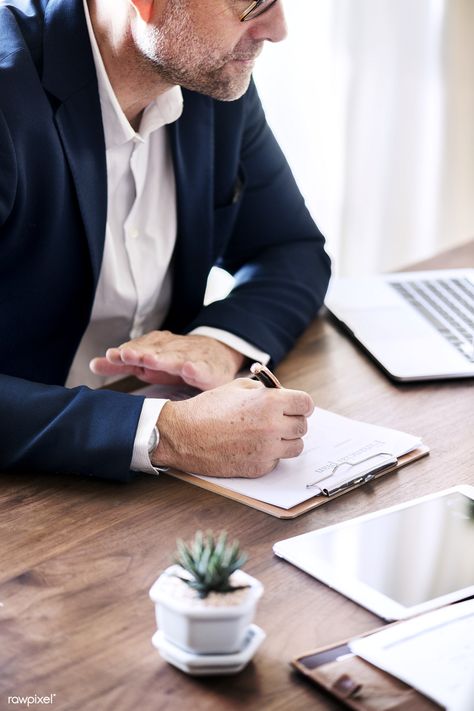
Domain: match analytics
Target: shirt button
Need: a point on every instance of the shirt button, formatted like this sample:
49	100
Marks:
134	233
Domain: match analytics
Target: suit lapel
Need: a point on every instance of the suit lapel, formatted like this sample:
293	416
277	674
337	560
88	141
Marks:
193	156
79	121
69	75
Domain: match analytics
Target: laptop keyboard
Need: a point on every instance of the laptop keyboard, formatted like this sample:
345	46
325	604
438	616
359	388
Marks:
448	304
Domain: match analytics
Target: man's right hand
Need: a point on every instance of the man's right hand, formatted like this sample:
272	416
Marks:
240	429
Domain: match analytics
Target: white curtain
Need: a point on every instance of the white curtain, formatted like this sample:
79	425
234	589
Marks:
373	104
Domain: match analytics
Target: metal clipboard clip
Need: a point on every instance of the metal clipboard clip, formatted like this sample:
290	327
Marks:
361	478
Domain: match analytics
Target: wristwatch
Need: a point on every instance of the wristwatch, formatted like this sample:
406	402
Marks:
152	445
153	441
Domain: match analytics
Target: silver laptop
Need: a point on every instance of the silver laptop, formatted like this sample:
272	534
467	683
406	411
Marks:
417	325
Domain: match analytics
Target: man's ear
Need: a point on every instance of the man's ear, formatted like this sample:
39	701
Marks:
143	8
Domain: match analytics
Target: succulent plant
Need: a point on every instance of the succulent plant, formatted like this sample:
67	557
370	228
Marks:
210	561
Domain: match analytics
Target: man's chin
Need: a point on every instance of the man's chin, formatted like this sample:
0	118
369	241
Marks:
232	88
233	95
228	84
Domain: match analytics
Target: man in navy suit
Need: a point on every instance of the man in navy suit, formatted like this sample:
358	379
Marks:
134	157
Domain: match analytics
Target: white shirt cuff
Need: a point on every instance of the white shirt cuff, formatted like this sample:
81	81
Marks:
229	339
148	418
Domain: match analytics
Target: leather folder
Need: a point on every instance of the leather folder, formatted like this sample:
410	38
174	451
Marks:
358	684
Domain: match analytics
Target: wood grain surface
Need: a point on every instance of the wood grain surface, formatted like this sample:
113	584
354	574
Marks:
79	555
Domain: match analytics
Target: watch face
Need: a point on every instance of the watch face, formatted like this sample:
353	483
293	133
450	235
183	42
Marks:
153	441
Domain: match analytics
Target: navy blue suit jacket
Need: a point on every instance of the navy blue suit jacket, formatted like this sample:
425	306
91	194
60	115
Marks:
238	207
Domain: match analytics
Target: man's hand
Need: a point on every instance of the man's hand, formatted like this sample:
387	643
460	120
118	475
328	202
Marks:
165	358
240	429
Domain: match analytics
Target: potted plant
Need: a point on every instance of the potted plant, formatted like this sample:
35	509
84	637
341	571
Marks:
204	603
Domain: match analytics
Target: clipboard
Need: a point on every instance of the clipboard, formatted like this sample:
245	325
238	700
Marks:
358	684
311	503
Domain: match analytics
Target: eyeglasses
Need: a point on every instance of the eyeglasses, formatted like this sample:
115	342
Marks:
258	7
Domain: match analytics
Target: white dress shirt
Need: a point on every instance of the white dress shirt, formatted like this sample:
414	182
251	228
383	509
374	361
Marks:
134	288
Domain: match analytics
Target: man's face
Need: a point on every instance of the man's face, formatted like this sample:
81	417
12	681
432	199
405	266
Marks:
202	45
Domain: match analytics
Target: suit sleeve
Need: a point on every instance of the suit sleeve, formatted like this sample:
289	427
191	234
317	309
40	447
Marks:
50	428
276	252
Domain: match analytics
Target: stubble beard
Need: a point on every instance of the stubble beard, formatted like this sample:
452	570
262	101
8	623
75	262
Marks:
179	56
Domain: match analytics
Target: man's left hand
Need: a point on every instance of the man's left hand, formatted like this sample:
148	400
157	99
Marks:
165	358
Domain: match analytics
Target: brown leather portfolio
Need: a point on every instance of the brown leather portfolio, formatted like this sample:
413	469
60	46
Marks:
358	684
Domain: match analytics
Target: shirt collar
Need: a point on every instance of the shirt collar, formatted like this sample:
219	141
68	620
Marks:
165	109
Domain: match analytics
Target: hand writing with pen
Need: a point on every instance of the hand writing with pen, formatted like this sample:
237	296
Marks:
236	427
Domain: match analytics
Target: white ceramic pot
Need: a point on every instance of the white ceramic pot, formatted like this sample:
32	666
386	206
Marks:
216	624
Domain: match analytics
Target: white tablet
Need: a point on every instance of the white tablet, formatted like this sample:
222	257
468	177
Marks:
399	561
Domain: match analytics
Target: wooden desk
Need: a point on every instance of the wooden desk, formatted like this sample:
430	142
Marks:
78	556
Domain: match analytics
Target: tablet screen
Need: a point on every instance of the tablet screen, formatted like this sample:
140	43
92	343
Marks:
411	555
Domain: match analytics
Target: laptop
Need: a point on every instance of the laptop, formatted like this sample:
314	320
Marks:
416	325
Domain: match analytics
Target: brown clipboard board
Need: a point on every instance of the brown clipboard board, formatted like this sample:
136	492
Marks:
356	683
304	506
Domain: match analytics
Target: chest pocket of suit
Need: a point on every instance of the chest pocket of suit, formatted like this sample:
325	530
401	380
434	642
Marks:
226	215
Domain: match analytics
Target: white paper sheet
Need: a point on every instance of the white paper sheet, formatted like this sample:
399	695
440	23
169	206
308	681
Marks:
331	439
433	653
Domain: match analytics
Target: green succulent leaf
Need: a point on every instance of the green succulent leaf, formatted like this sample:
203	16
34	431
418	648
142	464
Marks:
210	560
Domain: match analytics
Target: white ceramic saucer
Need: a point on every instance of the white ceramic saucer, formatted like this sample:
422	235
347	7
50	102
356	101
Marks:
207	664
